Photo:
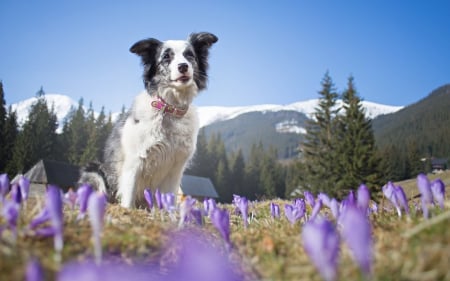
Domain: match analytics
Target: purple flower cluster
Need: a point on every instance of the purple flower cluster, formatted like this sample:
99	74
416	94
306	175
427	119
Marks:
397	197
430	192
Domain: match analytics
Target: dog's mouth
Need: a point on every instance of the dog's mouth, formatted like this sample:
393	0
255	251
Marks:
183	79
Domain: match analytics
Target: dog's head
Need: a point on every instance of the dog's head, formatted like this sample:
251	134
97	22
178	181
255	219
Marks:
177	64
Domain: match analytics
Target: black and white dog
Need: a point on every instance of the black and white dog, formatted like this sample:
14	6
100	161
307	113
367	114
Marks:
151	145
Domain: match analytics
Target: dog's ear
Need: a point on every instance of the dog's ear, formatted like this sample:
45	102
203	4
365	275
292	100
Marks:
146	49
201	42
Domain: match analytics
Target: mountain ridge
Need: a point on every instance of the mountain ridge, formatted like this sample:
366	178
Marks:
207	114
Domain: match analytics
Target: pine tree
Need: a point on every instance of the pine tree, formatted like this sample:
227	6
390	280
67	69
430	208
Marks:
319	147
357	152
201	164
237	172
75	134
252	172
37	140
104	127
89	151
10	134
3	118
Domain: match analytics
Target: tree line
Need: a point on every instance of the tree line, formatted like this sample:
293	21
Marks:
81	140
338	154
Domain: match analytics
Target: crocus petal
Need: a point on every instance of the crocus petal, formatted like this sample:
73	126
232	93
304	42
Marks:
209	205
158	199
24	185
321	243
186	206
168	201
4	185
42	217
425	193
401	198
438	190
293	212
34	271
242	204
221	221
16	195
325	199
334	207
148	198
83	194
316	209
70	197
54	206
10	211
274	210
96	211
309	198
363	197
357	233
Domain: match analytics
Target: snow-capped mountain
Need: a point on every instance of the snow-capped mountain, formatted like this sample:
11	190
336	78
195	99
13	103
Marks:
211	114
208	114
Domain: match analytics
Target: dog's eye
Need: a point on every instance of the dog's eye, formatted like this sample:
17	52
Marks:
188	54
166	56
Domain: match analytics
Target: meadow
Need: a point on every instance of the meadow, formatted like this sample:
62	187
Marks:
409	247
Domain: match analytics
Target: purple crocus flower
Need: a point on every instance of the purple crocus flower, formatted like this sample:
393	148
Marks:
425	191
168	201
10	212
41	218
316	209
96	210
158	199
15	193
83	193
242	204
309	198
148	198
4	186
325	199
24	185
221	221
274	210
209	205
55	210
402	201
363	197
357	233
321	243
293	213
186	208
334	207
438	191
70	198
34	271
389	193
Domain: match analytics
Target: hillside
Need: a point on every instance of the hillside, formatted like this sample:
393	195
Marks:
425	123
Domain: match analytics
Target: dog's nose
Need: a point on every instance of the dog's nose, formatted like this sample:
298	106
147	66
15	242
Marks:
183	67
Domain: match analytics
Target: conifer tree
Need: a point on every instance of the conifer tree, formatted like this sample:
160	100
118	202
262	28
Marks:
75	134
89	151
237	172
37	140
356	144
320	158
200	165
3	118
11	131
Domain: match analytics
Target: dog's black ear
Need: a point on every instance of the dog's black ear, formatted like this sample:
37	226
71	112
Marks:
201	42
146	49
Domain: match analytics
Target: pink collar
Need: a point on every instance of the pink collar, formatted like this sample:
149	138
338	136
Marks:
165	108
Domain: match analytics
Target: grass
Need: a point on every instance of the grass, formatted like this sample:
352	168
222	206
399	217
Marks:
268	249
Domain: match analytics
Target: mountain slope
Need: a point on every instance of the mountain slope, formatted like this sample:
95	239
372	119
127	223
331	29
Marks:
426	123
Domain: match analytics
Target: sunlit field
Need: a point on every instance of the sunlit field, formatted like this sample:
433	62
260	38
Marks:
166	243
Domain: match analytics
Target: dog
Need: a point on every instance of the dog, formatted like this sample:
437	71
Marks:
150	146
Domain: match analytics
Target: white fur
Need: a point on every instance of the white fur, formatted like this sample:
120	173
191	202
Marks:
155	150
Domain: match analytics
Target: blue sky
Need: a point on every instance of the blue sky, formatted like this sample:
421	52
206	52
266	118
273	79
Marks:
268	51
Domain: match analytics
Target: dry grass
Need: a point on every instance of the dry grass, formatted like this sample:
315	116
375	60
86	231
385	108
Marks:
268	249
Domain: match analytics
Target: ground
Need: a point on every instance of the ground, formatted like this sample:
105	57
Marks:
406	248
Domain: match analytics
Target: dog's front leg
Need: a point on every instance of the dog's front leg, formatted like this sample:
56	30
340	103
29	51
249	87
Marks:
127	183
